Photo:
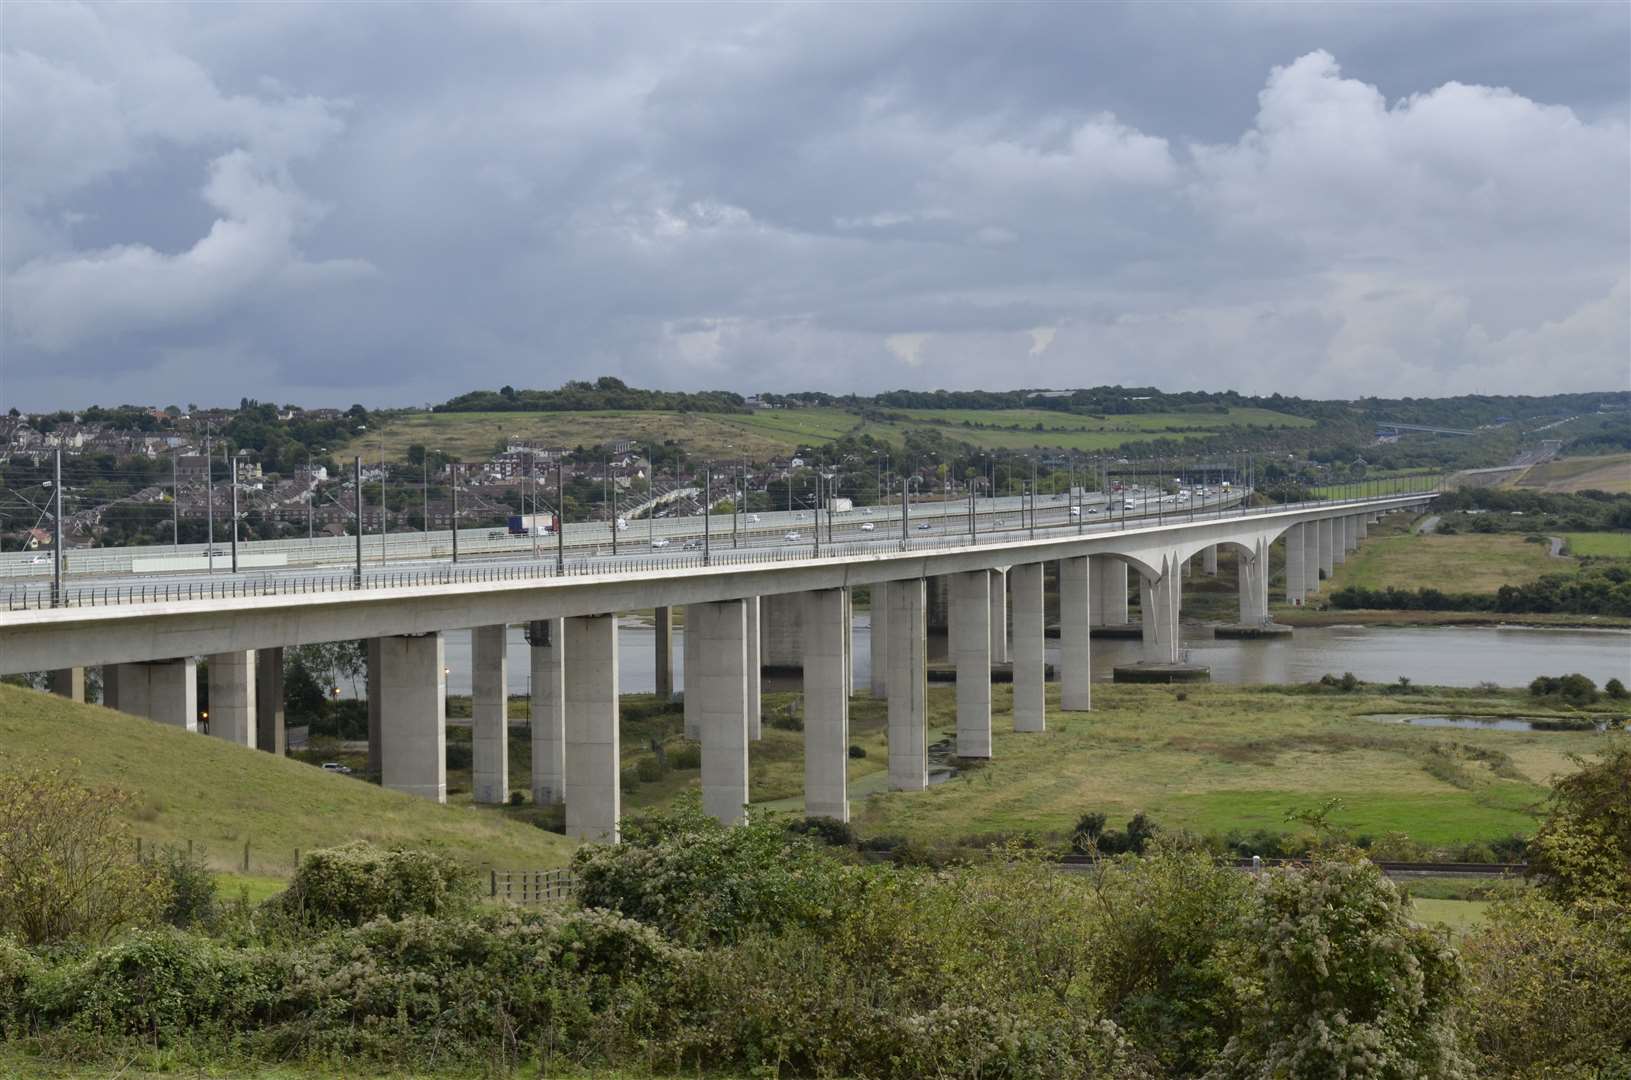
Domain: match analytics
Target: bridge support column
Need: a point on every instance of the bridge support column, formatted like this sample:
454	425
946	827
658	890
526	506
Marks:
548	709
232	697
999	618
781	635
1030	656
721	691
1158	603
908	678
690	668
1209	560
413	716
880	640
270	734
69	682
1326	548
971	653
1362	523
1311	557
1295	574
1350	532
1111	588
375	696
938	593
663	620
594	798
165	691
1189	568
1254	584
1339	541
490	714
826	706
750	615
1075	633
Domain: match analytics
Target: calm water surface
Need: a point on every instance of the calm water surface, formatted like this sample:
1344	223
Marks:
1439	655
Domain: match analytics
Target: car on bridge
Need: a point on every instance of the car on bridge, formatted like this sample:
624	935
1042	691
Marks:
867	526
925	527
794	535
660	542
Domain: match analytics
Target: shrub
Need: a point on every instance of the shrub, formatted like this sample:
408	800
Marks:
348	885
1616	690
1581	855
829	830
65	867
1344	983
700	881
517	798
648	770
191	887
857	751
685	756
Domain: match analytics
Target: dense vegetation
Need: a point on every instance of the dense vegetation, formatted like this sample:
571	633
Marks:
694	948
1488	509
582	396
1594	590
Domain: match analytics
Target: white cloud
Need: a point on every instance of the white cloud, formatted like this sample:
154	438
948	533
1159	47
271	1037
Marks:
907	347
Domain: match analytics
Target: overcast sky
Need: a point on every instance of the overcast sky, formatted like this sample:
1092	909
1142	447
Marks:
327	203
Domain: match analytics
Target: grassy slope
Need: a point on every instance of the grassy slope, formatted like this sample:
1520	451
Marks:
1611	472
1465	562
192	787
765	433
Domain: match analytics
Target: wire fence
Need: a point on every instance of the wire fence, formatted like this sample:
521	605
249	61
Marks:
546	568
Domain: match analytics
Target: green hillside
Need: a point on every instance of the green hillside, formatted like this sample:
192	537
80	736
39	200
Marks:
192	787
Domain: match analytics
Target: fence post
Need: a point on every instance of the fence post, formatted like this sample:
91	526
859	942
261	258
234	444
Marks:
493	879
246	856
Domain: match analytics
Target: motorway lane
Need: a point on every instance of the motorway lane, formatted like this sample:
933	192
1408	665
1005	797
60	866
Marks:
999	526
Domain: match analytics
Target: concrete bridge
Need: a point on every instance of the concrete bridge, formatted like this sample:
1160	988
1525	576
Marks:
744	609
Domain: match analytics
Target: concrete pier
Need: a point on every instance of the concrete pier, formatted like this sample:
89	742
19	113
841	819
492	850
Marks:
937	590
164	690
1296	583
413	716
826	705
594	797
490	714
1030	660
232	697
548	708
971	653
1075	633
1339	541
1326	548
69	683
1110	590
908	702
1254	583
375	696
880	640
750	614
663	620
1350	532
1311	559
1362	523
781	633
999	617
1209	560
720	687
1158	606
270	733
688	649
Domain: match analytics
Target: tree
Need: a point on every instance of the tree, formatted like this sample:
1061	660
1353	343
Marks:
66	872
1581	855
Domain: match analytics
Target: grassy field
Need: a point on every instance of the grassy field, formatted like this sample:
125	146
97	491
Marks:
1465	562
1415	480
1611	472
1614	545
779	432
1461	916
192	787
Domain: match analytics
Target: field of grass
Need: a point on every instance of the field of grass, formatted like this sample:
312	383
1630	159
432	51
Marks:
1614	545
1465	562
1612	472
220	796
1412	480
1016	429
1461	916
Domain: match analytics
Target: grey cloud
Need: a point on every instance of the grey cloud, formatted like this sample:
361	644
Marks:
395	204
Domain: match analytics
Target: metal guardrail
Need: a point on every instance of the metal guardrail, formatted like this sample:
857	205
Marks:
108	595
532	886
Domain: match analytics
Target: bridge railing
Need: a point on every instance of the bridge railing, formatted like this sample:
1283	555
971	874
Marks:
549	567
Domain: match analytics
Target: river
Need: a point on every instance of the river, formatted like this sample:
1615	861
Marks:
1438	655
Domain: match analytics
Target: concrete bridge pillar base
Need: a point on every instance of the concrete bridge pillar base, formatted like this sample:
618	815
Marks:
999	617
594	797
375	696
826	705
750	615
720	687
971	653
1209	561
270	733
165	691
548	709
1075	633
1158	607
232	697
1030	659
689	668
490	714
663	620
1296	575
69	682
1327	548
1311	558
908	678
413	716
